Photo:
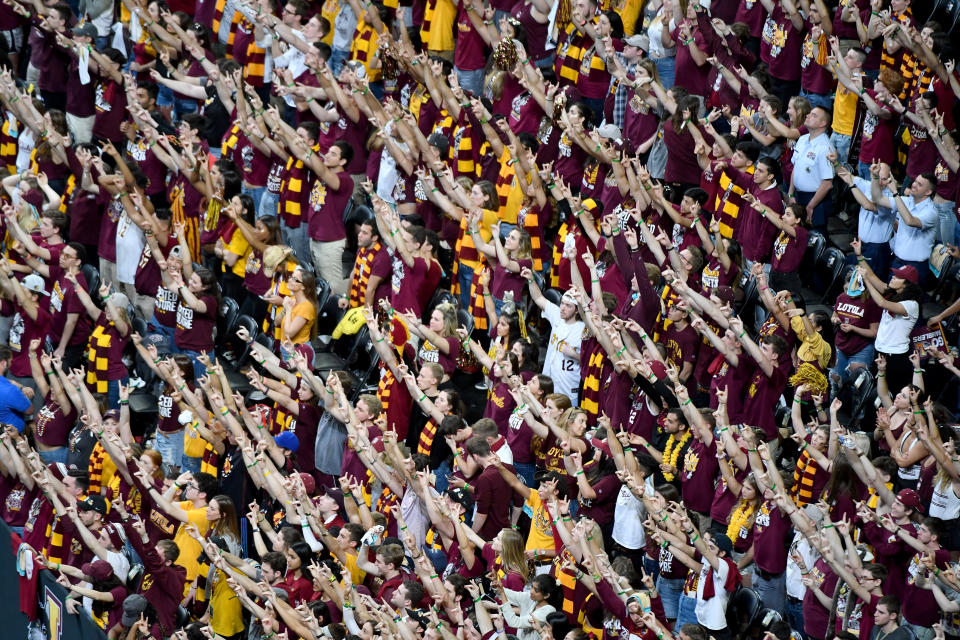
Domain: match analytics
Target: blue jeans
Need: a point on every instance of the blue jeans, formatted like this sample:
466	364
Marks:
256	193
666	68
865	357
794	612
438	558
841	143
465	277
773	591
113	391
863	170
947	229
54	455
337	58
471	81
820	213
182	107
878	257
818	100
670	592
686	611
191	464
269	204
652	567
441	474
526	472
170	448
298	240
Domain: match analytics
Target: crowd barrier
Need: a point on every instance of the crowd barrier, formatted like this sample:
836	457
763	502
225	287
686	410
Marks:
53	622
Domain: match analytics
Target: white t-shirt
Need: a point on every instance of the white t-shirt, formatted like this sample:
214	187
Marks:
893	334
130	241
712	613
628	516
564	371
944	504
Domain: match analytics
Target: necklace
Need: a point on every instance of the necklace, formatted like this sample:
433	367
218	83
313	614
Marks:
741	518
671	454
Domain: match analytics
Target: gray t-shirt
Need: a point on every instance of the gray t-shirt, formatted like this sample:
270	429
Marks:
330	442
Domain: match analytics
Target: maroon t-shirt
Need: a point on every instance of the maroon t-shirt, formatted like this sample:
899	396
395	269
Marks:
780	45
682	165
519	435
325	208
919	605
85	213
525	114
63	301
877	139
148	278
194	330
601	508
771	531
859	313
814	77
52	425
409	283
500	405
491	493
254	279
156	172
763	393
112	212
80	97
753	14
22	331
689	74
698	471
754	232
110	102
470	51
815	616
428	353
788	251
116	370
16	504
724	499
733	379
923	154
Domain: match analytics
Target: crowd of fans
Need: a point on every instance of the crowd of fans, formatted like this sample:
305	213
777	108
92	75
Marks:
562	258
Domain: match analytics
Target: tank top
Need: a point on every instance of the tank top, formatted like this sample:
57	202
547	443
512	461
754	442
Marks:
944	503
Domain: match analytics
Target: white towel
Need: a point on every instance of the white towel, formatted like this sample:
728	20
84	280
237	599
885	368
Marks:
84	67
136	30
118	43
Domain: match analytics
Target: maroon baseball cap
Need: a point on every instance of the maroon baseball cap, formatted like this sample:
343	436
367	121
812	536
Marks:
908	497
99	570
908	273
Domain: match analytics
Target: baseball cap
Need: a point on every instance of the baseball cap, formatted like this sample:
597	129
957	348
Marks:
908	273
610	132
85	30
725	294
99	570
112	414
908	497
119	300
133	606
723	543
287	440
34	283
93	503
309	484
639	41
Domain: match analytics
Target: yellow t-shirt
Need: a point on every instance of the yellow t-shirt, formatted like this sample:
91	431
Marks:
190	549
357	574
226	612
541	532
442	17
844	110
813	348
330	10
239	246
304	310
193	444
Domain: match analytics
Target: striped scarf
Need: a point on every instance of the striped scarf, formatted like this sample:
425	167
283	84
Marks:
365	43
97	460
255	67
8	147
728	203
218	18
597	365
361	273
427	436
210	461
804	479
293	196
98	357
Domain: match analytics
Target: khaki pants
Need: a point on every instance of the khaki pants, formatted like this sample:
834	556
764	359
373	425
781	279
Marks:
328	263
81	128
